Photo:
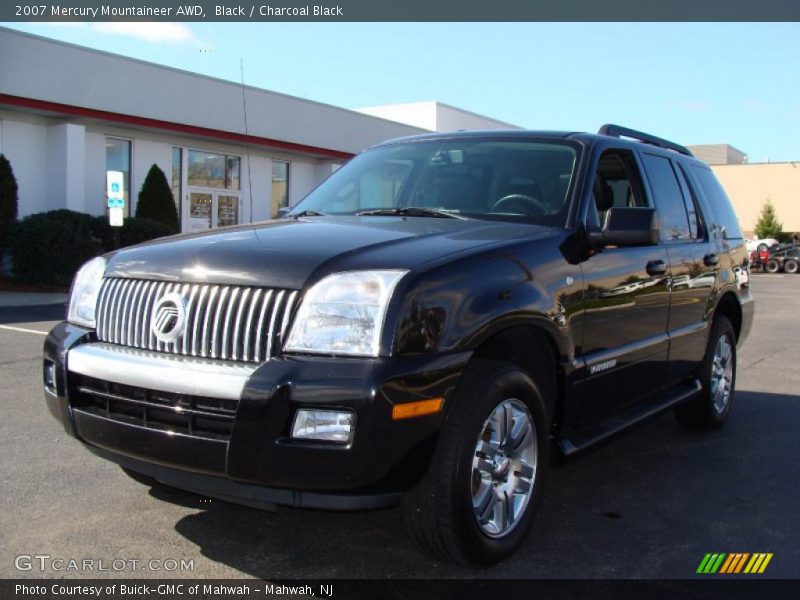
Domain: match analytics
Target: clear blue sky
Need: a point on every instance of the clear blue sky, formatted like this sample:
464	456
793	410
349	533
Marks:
692	82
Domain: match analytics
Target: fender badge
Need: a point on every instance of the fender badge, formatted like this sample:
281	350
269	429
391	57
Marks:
603	366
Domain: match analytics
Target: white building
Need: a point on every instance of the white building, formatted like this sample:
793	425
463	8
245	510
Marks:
435	116
69	114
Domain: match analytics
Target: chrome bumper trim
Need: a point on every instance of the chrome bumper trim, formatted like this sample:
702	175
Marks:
159	371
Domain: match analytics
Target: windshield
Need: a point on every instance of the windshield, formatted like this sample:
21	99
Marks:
480	178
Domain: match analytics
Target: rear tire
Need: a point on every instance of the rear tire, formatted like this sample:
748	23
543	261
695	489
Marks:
772	266
790	266
711	406
477	502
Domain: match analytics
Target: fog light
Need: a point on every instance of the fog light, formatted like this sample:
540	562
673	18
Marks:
50	376
323	425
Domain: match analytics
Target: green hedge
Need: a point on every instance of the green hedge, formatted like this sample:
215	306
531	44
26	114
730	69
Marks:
156	202
784	237
133	231
8	200
49	247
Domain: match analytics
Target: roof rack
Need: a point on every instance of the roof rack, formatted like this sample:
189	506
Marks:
619	131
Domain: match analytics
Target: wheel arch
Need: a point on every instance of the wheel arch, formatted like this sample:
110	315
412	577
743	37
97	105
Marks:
730	307
524	345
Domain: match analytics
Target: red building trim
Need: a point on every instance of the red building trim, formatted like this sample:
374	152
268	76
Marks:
91	113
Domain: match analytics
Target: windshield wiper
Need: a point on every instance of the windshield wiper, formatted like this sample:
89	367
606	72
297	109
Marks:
410	211
305	213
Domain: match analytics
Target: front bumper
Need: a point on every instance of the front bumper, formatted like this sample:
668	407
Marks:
226	433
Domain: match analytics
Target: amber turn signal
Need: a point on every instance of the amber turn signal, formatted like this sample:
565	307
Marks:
417	409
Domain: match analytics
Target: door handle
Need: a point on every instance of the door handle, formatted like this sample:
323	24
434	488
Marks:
711	260
656	267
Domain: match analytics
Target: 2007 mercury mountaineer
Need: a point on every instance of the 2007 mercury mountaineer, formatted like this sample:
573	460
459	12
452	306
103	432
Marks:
420	329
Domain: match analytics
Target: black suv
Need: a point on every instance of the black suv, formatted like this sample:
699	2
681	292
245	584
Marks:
420	329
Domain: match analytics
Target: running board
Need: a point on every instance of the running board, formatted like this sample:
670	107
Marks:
582	439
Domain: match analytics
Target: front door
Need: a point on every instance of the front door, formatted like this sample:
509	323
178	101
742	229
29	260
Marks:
209	209
626	298
624	327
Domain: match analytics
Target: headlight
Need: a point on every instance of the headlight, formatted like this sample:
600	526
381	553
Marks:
85	289
343	314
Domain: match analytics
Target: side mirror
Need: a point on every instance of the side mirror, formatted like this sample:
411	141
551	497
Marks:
283	211
627	226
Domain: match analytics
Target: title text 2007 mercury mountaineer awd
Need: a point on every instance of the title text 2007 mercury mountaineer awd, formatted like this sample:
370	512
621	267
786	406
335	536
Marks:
420	329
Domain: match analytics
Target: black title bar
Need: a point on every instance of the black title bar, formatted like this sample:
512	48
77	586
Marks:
404	10
709	588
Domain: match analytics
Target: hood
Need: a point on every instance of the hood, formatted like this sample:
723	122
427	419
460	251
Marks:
285	253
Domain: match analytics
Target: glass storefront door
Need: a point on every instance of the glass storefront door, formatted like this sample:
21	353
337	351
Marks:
200	211
227	210
212	209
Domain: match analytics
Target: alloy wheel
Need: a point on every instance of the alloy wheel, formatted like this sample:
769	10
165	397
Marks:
504	468
721	373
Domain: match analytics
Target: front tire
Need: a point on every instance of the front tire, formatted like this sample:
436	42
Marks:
477	502
711	407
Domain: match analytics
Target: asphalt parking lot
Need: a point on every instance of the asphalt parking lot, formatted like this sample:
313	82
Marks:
648	505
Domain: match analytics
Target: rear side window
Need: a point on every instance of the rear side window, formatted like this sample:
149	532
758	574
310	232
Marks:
668	197
696	226
721	206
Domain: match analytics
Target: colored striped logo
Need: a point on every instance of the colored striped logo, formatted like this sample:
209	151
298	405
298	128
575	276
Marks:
733	563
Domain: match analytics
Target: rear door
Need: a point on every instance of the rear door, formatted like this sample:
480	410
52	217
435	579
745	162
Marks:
693	261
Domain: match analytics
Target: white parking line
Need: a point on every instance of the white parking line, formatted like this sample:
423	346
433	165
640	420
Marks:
22	329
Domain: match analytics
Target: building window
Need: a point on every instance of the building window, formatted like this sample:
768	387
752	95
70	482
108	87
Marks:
280	186
177	169
212	170
233	166
118	158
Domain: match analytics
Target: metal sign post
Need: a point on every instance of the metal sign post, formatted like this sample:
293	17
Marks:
115	194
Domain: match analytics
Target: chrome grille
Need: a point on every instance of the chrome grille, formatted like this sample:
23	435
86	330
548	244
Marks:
224	322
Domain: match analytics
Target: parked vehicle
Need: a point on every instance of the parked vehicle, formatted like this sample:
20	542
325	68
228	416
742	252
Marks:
758	244
420	329
783	258
758	259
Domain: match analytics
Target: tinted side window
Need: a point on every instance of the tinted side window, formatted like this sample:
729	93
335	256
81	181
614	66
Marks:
616	184
718	199
696	221
673	220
